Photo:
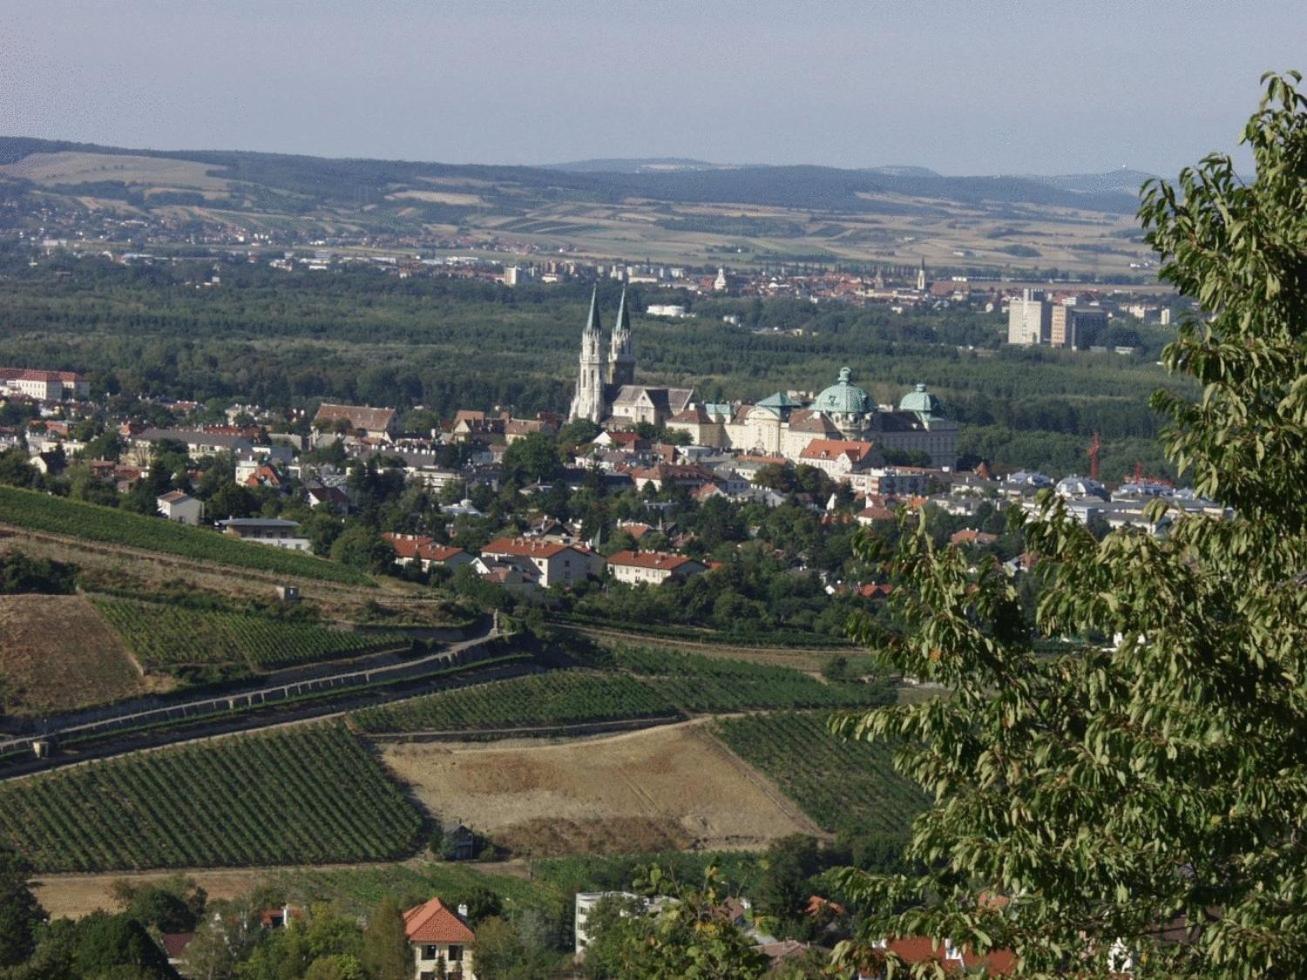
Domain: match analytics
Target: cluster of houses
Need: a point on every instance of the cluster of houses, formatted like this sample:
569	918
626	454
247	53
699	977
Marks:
734	451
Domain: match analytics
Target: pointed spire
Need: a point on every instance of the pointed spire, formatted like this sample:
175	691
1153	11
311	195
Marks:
592	322
623	315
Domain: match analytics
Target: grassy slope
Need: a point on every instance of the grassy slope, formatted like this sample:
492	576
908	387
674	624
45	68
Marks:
163	637
56	515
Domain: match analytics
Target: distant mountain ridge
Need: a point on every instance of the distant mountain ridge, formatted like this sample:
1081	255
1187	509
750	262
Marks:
873	190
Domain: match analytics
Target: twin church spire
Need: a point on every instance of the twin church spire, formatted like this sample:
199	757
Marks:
600	373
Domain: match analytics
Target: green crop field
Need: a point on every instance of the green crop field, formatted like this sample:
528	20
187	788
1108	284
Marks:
838	783
558	698
647	683
698	683
56	515
308	795
165	637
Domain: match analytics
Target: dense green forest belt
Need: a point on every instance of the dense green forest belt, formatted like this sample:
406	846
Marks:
56	515
311	795
284	339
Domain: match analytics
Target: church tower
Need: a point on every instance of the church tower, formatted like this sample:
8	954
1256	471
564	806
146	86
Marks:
921	276
621	357
589	400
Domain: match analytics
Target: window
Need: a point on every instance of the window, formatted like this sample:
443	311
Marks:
430	952
455	954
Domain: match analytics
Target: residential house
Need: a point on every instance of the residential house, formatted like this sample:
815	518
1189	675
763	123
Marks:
180	507
359	420
554	563
422	550
265	530
441	940
652	567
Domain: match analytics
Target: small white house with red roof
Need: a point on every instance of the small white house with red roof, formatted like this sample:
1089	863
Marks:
421	549
554	563
440	937
653	567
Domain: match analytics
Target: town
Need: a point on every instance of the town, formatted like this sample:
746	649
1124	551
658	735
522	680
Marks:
641	492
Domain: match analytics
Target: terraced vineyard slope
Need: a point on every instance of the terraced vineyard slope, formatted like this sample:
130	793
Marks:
308	795
165	637
558	698
840	784
56	515
698	683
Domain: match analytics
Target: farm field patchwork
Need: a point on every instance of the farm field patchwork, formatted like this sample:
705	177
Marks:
169	636
828	777
308	795
56	515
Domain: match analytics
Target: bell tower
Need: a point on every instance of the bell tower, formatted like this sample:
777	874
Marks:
588	403
621	357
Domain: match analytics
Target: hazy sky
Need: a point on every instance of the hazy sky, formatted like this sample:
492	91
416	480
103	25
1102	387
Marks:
975	87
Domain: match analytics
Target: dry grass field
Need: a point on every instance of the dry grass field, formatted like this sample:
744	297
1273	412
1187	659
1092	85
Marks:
118	567
57	654
673	786
85	168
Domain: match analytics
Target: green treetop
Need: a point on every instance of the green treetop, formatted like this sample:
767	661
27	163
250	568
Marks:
1156	778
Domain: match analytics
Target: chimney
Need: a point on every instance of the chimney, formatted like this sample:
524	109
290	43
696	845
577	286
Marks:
462	910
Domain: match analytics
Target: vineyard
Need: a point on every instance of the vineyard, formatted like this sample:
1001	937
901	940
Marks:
698	683
646	683
831	779
557	698
56	515
311	795
169	636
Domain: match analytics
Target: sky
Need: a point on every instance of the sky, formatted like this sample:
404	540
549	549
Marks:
960	87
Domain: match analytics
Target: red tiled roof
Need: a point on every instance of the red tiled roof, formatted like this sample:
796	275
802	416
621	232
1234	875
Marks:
523	548
921	949
969	536
419	546
831	448
648	559
359	416
175	943
434	923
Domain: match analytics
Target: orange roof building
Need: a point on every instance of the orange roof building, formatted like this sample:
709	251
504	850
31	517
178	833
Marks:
440	937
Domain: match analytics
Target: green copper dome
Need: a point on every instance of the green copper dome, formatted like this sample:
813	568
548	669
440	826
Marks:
919	400
844	398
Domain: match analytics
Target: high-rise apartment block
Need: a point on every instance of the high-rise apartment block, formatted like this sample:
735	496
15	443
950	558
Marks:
1030	319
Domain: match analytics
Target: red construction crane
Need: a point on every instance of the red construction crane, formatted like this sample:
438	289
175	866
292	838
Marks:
1095	448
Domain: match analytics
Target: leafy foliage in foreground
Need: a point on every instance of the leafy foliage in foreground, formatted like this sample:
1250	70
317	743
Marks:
56	515
165	637
1160	780
842	785
308	795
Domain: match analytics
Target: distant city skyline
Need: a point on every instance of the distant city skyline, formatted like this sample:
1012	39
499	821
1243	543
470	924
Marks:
977	88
